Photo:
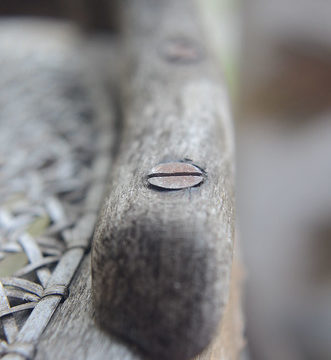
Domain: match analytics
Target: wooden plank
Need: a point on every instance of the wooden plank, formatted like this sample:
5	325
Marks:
73	333
161	260
229	342
176	95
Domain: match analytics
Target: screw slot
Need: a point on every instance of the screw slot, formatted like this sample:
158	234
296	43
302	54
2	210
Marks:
181	50
175	176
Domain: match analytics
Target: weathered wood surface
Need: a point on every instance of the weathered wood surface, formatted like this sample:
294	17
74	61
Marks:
191	104
229	341
161	260
73	334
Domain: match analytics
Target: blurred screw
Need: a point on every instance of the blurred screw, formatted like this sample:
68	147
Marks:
175	176
181	50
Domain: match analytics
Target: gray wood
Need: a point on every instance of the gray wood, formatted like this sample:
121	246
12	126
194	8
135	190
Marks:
161	260
72	333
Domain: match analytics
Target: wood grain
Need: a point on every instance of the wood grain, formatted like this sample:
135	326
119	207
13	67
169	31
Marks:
73	334
161	260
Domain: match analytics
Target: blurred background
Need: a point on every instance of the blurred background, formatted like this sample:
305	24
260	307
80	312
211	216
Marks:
284	172
277	59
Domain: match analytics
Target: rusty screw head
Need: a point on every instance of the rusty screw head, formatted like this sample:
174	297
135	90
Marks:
181	50
175	176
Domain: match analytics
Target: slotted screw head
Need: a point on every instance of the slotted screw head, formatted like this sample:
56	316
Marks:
181	50
175	176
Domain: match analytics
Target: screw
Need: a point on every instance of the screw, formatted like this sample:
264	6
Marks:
181	50
175	176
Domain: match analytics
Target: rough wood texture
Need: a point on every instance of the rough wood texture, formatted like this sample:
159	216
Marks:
72	333
161	260
229	341
73	329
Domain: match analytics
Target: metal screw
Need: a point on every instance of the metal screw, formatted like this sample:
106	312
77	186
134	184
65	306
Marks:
175	176
181	50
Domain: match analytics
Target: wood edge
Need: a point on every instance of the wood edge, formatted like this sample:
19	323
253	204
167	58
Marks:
229	341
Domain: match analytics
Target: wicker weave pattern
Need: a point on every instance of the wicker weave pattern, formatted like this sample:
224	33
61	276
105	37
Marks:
54	145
